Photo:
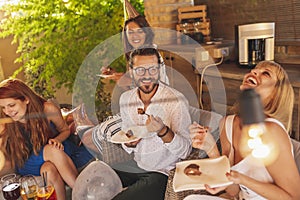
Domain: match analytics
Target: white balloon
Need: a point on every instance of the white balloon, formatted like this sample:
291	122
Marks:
97	181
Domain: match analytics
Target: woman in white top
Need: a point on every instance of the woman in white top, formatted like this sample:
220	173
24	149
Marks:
255	178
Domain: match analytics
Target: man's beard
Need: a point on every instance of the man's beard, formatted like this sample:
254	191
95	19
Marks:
147	89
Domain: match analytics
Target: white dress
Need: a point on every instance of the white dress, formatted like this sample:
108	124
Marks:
249	166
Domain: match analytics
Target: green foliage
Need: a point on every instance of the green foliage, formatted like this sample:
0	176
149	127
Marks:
55	36
59	34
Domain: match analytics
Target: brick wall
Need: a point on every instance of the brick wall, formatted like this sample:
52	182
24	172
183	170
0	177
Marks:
163	14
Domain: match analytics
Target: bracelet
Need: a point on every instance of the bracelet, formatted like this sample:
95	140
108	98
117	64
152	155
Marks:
165	133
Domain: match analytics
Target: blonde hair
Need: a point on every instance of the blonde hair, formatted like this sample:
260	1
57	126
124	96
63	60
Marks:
279	104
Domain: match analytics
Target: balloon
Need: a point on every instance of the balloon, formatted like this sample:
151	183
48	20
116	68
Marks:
97	181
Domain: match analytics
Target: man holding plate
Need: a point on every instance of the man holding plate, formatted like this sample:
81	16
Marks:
164	112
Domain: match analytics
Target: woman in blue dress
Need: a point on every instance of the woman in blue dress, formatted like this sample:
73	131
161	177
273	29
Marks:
27	139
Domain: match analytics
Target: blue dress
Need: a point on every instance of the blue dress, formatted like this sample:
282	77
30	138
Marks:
79	155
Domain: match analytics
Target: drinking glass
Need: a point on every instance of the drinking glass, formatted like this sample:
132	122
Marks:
28	187
46	193
10	187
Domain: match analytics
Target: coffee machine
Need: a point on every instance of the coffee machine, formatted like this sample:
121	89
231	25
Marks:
256	43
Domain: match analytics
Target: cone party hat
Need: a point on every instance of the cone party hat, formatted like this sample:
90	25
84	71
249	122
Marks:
129	11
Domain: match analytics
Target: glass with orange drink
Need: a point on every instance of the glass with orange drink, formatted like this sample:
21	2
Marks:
46	193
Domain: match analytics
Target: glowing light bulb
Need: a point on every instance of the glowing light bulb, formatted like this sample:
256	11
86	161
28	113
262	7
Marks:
254	143
256	130
261	151
253	123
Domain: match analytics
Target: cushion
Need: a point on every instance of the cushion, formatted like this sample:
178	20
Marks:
112	154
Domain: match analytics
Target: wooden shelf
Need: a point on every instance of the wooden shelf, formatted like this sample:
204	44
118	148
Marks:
192	12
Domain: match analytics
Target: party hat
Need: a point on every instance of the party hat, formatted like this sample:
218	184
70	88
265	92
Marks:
129	11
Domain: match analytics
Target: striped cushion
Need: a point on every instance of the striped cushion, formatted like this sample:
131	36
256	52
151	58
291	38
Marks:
111	154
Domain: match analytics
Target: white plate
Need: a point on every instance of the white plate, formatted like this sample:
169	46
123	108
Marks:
213	174
120	138
202	197
138	133
105	76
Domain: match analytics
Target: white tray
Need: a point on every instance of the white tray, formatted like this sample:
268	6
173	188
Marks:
213	174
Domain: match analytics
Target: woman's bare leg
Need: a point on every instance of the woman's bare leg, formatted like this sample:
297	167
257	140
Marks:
63	163
54	178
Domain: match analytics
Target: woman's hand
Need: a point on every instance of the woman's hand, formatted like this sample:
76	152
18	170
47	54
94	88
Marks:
214	190
235	176
232	189
55	143
201	137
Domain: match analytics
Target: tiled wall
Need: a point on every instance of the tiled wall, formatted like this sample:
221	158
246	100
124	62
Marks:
287	54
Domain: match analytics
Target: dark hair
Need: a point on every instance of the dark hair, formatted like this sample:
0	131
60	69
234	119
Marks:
144	51
142	23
